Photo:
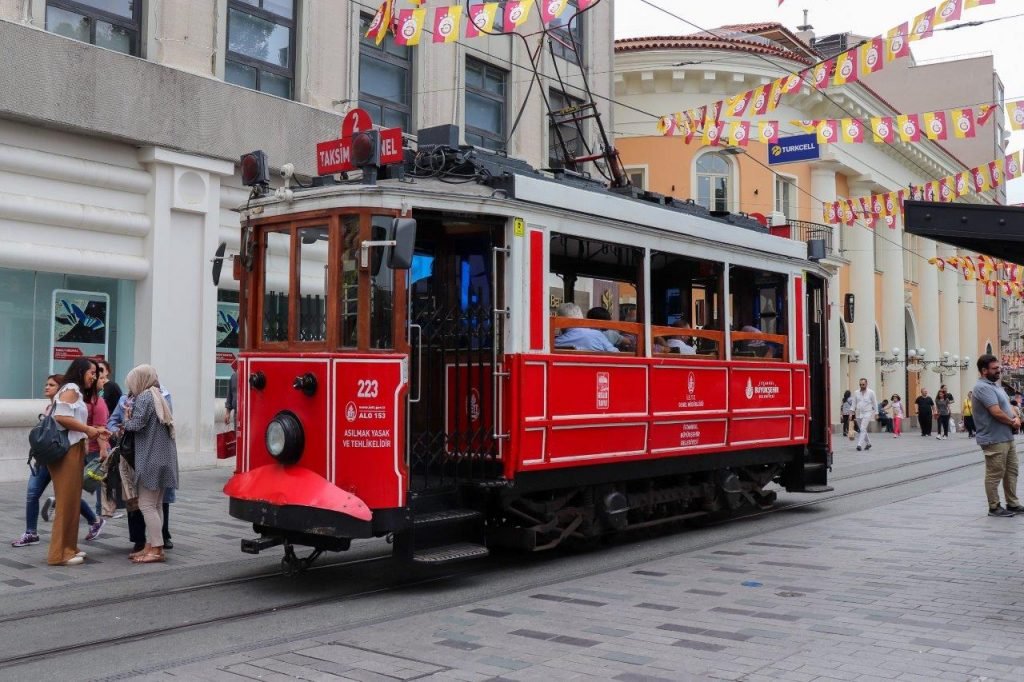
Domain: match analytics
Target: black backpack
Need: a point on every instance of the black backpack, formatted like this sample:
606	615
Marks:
47	442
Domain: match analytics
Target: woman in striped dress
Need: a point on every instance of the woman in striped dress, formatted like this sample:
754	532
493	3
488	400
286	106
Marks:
156	456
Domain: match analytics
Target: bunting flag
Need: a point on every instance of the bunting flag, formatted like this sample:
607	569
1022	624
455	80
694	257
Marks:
853	130
882	128
948	11
481	19
516	13
923	26
381	22
995	173
735	106
1012	166
985	112
865	211
446	23
768	132
846	68
964	181
935	125
946	189
739	133
909	127
871	55
552	9
826	130
898	45
963	123
409	26
585	4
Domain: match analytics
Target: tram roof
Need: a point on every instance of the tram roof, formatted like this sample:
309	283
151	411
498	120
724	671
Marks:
980	228
544	193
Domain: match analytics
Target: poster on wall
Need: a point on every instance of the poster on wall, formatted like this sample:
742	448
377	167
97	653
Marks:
227	337
80	327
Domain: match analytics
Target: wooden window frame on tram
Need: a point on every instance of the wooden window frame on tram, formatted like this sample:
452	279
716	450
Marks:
252	301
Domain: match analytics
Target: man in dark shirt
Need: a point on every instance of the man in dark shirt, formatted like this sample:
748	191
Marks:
925	407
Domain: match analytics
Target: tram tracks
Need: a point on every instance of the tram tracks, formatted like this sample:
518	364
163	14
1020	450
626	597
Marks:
382	585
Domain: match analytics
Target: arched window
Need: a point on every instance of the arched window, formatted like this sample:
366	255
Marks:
878	340
842	335
714	180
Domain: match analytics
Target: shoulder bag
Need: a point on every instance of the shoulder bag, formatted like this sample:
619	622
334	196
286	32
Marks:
47	441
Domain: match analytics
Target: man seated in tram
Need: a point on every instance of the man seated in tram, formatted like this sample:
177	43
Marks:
676	344
580	338
624	342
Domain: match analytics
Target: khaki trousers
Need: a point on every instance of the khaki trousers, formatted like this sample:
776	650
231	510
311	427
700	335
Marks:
67	490
1001	466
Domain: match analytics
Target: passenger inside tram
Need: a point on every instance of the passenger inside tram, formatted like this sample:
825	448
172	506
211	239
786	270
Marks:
580	338
621	341
676	344
758	303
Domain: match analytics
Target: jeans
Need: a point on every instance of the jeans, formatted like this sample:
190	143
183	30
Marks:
37	483
944	425
89	458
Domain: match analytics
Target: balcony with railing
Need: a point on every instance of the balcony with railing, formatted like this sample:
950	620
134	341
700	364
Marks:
804	231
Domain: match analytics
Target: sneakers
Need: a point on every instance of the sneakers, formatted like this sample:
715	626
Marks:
95	529
1000	512
868	446
76	560
859	448
1015	508
26	540
49	506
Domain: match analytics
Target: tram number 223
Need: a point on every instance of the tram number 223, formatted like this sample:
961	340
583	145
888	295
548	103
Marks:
367	388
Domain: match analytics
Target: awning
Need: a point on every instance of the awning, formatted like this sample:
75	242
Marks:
996	231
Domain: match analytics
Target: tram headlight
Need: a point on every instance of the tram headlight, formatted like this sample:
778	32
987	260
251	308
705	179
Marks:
284	438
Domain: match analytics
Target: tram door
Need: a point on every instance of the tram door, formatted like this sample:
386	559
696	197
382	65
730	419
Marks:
819	450
452	337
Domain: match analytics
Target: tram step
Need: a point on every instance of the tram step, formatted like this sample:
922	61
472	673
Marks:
446	516
460	551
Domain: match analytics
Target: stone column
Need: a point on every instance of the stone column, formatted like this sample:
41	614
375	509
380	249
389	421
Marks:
176	305
893	322
927	316
823	187
969	293
860	250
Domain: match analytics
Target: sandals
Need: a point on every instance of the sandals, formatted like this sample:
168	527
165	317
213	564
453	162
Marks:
148	559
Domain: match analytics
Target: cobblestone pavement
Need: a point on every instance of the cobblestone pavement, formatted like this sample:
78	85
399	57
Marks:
928	588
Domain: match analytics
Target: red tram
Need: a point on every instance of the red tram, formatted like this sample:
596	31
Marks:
403	370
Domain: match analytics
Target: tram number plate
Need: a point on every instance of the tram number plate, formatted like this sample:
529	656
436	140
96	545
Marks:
368	388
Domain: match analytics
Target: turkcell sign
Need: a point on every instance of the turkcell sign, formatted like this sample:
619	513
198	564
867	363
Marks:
794	148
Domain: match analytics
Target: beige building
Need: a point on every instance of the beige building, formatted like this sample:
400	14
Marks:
902	304
121	125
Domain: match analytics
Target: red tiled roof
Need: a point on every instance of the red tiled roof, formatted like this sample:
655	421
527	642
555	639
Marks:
706	41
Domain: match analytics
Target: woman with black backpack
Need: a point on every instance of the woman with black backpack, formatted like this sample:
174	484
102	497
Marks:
72	414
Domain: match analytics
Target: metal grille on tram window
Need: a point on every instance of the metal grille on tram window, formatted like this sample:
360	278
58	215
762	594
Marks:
312	262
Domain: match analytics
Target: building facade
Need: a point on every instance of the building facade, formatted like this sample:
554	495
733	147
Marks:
901	305
121	125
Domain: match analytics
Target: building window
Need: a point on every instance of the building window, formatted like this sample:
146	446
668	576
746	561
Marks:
714	175
637	177
113	24
485	105
785	196
566	31
570	134
385	79
261	46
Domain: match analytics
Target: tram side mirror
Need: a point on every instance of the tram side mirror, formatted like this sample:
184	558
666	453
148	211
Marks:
218	263
403	232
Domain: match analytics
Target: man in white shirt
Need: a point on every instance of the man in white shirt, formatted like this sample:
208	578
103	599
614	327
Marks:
865	406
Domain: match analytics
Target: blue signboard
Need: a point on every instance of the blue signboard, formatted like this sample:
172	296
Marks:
794	148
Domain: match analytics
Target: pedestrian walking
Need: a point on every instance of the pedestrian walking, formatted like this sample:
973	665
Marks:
995	421
156	456
884	420
71	411
231	401
925	407
969	414
865	404
896	408
846	411
943	413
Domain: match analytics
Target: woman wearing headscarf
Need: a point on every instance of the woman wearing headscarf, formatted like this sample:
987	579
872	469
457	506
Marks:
156	456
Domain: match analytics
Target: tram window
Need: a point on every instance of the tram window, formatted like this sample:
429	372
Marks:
601	279
276	264
349	282
686	311
759	306
312	263
382	285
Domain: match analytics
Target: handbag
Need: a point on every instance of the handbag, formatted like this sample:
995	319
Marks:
127	448
93	476
47	441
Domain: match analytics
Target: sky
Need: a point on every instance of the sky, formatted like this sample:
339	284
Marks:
864	17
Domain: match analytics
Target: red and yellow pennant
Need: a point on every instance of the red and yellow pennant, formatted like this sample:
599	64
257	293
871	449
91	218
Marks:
409	26
446	23
516	13
481	19
381	22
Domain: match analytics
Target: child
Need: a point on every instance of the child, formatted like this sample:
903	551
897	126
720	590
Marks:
896	408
